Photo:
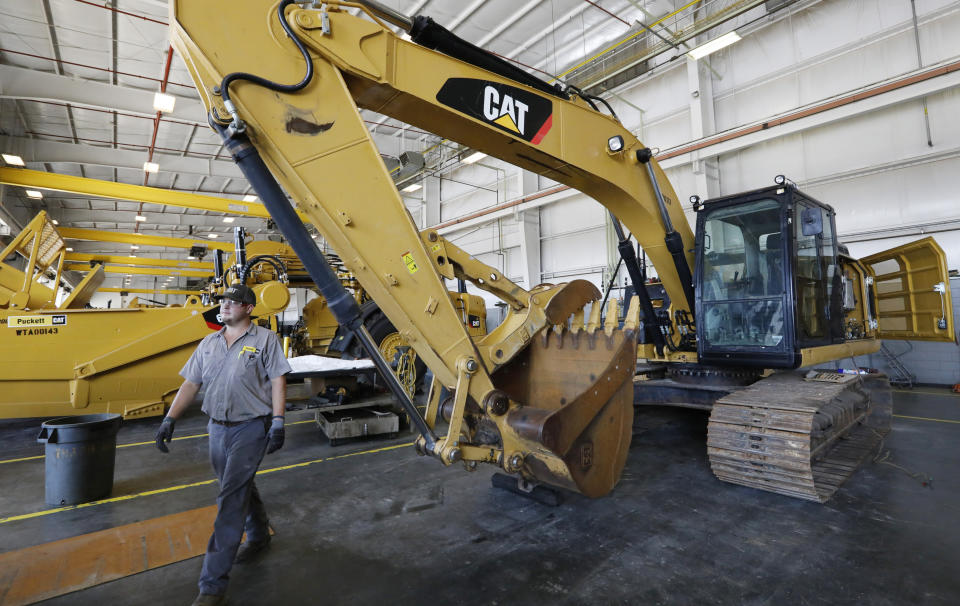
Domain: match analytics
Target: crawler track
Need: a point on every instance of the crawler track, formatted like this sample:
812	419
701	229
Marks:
797	437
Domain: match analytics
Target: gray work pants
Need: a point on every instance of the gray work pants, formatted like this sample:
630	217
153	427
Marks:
235	453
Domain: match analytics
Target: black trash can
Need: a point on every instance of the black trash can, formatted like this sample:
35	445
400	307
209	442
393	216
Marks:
79	456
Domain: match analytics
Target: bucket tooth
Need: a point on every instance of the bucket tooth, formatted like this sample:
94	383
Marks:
612	321
576	323
632	319
594	322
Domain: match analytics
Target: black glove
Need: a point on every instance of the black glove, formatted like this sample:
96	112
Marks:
164	434
276	435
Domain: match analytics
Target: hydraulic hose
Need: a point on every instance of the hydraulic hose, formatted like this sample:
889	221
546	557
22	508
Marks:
224	89
276	263
638	276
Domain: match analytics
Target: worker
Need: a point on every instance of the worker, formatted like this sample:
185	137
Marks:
243	369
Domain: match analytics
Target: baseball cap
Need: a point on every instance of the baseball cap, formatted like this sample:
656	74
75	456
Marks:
240	294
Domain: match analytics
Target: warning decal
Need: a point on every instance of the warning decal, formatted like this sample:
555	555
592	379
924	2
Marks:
34	321
412	266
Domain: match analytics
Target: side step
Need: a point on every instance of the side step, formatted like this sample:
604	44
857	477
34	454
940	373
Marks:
797	437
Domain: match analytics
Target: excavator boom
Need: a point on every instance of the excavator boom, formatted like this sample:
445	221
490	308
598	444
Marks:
283	86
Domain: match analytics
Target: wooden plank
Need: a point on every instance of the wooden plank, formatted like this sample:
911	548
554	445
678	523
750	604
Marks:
44	571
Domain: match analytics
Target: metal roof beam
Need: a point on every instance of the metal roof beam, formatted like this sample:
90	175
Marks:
155	220
31	84
142	261
75	233
23	177
36	150
145	271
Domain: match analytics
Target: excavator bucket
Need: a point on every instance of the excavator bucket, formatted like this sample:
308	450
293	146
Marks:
576	382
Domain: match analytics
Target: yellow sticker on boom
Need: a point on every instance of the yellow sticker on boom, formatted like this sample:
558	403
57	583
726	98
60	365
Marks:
412	266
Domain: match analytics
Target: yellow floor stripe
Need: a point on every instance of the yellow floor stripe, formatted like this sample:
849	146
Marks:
147	493
927	419
151	442
949	394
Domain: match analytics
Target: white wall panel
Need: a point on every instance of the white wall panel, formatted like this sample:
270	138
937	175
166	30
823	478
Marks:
571	214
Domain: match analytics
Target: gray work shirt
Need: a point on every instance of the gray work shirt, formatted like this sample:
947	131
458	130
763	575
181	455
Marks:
237	379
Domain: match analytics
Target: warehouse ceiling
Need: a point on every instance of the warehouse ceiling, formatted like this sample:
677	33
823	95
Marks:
78	79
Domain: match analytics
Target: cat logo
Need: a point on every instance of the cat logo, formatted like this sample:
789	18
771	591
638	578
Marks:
511	109
507	112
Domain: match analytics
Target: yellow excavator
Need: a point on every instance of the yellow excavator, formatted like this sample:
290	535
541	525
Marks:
762	287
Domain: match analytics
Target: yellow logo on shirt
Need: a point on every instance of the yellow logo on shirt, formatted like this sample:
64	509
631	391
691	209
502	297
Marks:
248	349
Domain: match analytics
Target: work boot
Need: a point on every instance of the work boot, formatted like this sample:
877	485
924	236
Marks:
249	550
210	599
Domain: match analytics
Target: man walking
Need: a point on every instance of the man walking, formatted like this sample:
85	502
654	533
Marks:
243	368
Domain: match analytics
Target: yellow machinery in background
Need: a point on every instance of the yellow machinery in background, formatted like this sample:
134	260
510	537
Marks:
66	359
761	289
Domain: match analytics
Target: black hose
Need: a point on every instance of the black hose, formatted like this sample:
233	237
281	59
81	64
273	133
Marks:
281	88
591	98
276	263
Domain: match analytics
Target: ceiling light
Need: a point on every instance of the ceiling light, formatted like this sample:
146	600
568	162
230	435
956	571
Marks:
213	235
140	218
13	160
189	257
474	157
411	188
69	249
249	198
134	247
55	222
162	102
714	45
150	167
133	256
229	219
32	193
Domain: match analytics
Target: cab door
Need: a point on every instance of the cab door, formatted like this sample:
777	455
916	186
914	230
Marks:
911	292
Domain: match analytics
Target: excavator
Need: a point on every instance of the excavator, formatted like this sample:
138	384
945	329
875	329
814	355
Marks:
761	289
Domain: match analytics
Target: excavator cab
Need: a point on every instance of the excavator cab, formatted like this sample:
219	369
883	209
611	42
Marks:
767	278
775	289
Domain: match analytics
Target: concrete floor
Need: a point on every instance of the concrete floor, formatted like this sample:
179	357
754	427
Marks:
390	527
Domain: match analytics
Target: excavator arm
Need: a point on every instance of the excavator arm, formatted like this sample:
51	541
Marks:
541	396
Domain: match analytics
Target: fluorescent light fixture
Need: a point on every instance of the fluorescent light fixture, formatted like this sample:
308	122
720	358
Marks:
140	218
150	167
474	157
32	193
714	45
134	247
249	198
189	257
69	249
412	188
213	235
229	219
134	256
13	160
55	222
162	102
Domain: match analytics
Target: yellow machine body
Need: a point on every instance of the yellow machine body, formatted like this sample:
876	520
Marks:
66	360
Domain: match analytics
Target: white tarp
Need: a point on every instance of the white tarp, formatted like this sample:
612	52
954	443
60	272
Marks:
322	364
